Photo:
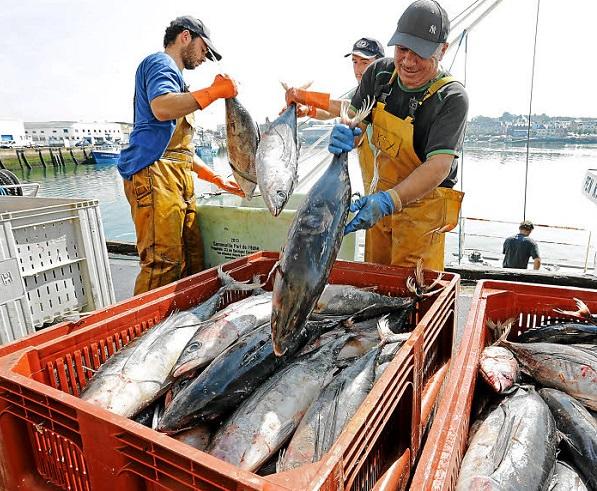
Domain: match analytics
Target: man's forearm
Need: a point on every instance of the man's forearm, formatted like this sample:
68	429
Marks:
537	263
173	106
424	178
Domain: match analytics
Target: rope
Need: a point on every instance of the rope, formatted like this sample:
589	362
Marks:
526	173
455	19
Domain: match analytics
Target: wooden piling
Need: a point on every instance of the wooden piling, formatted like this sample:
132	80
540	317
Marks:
72	156
19	158
62	162
85	154
2	165
53	157
41	158
25	160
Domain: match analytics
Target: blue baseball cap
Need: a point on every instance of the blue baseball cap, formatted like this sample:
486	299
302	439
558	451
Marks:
367	48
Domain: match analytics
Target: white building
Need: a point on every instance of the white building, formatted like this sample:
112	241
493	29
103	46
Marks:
67	133
12	133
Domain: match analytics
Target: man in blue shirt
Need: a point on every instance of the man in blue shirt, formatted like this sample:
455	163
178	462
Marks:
157	164
520	247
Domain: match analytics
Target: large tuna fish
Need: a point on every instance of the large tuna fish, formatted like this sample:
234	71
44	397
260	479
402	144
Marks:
330	413
138	373
579	430
572	369
230	378
276	161
564	333
242	137
314	239
222	330
263	423
513	449
566	478
346	300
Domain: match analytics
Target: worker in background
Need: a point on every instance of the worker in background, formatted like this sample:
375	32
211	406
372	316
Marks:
520	247
318	105
416	134
157	164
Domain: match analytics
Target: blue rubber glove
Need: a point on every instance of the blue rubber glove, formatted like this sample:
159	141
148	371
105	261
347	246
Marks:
342	139
371	209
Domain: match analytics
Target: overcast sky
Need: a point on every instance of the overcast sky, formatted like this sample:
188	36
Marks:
76	59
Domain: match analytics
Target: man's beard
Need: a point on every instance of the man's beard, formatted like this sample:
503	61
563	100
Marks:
189	62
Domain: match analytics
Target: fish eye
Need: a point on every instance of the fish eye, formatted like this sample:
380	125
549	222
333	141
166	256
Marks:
194	346
282	194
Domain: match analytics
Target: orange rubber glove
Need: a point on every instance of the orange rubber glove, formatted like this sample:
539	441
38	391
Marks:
305	111
207	174
223	87
308	98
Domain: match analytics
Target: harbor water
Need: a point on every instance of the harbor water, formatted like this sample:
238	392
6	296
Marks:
492	177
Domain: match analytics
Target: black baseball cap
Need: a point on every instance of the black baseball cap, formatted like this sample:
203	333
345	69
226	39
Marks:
367	48
197	27
423	27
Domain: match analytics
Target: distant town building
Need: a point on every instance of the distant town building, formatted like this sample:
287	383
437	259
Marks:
67	133
12	133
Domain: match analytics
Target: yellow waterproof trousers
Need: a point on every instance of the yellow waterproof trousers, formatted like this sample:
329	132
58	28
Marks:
163	208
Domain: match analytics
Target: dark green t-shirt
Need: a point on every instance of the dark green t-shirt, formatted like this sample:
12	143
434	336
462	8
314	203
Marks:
517	251
439	123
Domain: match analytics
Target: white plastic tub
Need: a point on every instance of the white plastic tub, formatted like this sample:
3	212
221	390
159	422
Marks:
53	262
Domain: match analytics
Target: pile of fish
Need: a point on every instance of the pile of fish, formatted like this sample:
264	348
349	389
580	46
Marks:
269	160
540	433
210	376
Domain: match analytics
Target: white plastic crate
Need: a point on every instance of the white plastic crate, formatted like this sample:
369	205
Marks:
53	262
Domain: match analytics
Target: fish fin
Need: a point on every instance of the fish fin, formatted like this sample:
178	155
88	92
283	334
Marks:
284	85
501	444
306	85
156	417
275	268
281	462
388	336
503	336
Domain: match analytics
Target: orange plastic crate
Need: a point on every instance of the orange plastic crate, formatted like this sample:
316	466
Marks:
532	305
50	439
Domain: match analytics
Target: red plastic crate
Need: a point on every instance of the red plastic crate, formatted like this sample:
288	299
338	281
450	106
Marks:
50	439
531	305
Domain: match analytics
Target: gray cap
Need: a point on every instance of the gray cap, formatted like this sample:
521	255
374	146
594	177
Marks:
526	225
197	27
367	48
423	27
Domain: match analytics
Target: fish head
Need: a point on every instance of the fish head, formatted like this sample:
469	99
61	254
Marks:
276	200
189	359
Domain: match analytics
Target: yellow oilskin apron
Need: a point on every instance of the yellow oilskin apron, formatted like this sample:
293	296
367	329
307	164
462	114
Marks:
163	207
418	230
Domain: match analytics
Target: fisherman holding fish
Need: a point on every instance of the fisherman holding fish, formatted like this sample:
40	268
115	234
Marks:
412	139
318	105
157	164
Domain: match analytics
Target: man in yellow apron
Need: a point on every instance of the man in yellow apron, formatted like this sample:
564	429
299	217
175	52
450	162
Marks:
157	164
412	139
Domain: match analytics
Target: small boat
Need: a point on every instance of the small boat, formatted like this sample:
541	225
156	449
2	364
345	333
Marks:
106	154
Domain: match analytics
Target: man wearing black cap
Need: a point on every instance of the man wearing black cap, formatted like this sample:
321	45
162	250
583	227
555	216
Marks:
520	247
157	164
415	132
319	105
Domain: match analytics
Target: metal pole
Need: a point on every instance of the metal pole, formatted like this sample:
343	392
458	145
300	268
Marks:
526	173
587	254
